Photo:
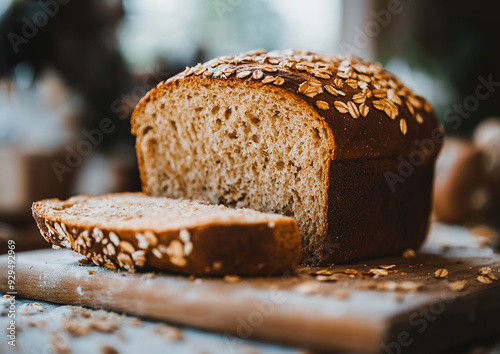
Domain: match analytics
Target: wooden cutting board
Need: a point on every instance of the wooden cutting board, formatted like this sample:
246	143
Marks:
358	313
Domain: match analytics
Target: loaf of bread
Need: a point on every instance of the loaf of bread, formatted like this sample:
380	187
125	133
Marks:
467	183
459	187
338	143
130	230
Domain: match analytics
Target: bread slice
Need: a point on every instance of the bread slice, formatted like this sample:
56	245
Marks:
130	230
323	138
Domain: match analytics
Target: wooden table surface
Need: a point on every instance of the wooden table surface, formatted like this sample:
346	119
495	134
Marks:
354	313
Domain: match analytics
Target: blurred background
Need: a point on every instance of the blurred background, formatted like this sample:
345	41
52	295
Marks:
71	72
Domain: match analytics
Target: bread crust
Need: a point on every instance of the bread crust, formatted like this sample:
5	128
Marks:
376	135
218	248
374	122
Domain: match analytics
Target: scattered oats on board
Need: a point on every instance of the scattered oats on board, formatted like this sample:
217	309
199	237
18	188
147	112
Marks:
58	344
486	272
492	276
487	236
75	327
169	333
150	275
308	288
231	278
327	278
321	272
368	285
81	321
106	349
134	321
441	273
31	309
398	297
386	286
387	266
378	272
409	253
409	286
458	285
350	271
341	276
31	323
484	279
341	294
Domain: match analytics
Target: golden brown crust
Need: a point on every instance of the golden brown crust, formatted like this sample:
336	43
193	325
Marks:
259	248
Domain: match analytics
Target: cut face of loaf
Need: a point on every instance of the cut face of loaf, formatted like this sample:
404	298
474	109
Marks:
297	133
240	146
130	230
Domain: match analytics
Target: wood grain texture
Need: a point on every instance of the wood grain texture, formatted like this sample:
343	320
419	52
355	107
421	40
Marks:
282	309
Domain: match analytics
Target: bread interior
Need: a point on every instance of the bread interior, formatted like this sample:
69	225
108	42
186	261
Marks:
241	145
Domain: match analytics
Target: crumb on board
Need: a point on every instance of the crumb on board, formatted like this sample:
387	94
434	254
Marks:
409	253
387	266
231	278
107	349
458	285
169	333
441	273
59	344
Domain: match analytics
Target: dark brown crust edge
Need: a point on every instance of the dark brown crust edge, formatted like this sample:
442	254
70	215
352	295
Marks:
358	227
257	249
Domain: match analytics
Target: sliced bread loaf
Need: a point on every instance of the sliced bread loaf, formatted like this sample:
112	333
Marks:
129	230
336	142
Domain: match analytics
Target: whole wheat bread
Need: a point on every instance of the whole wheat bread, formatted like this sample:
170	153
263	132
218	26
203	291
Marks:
130	230
320	138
